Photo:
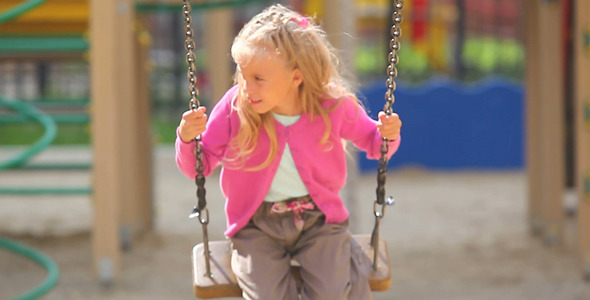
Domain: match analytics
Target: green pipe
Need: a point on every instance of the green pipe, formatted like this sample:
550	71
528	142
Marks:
44	191
41	259
59	102
61	44
57	118
18	10
58	166
49	135
161	7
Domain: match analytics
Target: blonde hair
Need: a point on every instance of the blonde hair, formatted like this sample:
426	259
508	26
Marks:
303	45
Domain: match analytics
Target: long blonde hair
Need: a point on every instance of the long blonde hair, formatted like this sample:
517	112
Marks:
304	46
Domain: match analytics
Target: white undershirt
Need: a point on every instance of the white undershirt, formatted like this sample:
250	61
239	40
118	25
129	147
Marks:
287	183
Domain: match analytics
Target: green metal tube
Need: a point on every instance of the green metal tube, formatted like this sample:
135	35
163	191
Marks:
47	44
58	166
41	259
58	118
37	115
31	191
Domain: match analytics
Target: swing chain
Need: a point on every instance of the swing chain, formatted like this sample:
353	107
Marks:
394	46
189	45
381	201
200	211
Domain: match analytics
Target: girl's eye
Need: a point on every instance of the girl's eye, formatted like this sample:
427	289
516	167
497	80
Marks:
258	78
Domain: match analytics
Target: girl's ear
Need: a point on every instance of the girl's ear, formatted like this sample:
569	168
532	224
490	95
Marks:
297	77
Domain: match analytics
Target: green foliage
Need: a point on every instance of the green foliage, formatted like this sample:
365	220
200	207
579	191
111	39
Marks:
413	66
371	61
485	56
164	130
481	56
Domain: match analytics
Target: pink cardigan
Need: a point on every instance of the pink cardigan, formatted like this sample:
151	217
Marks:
321	167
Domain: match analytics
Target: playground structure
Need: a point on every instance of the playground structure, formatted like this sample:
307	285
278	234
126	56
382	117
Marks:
121	141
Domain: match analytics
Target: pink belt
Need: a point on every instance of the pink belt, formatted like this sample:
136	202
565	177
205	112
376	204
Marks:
296	205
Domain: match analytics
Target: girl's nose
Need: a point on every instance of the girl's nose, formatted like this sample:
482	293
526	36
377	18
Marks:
247	88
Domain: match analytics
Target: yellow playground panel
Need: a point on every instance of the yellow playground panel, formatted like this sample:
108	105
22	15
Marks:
51	17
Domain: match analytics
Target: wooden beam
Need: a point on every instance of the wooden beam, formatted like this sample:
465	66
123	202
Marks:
218	44
143	135
338	20
581	37
533	118
106	137
132	125
119	134
552	126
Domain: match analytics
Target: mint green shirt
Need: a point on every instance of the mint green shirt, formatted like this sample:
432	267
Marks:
287	183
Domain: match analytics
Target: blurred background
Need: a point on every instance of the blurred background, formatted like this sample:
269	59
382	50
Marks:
464	41
466	224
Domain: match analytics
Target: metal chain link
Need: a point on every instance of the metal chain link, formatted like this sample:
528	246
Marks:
392	58
191	74
200	211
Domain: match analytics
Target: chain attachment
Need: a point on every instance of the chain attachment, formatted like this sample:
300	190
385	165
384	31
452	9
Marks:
392	58
200	210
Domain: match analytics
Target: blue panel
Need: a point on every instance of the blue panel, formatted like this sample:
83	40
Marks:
448	125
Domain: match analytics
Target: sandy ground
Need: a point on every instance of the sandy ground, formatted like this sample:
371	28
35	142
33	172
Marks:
459	235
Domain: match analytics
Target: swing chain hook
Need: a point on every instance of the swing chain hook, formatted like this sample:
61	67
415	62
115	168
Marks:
200	210
392	58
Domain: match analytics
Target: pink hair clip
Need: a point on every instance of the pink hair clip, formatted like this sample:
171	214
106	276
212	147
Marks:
303	22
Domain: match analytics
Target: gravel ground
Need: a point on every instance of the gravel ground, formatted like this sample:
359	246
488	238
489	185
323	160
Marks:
451	235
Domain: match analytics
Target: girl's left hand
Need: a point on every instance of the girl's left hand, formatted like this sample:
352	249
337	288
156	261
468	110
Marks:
389	126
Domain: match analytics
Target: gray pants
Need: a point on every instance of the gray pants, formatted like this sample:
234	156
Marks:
331	266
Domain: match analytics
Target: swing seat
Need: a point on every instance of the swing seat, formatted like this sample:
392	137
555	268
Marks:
223	282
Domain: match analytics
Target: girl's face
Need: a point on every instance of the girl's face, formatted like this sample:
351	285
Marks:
270	85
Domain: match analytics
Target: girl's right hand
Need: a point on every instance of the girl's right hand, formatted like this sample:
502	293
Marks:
192	124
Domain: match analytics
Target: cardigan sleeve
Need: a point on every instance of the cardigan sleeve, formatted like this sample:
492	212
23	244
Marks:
214	140
359	128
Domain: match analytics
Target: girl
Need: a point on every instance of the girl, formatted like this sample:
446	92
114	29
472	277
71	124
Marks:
278	135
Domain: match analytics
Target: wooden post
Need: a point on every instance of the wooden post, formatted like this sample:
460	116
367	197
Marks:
533	118
106	137
339	19
581	37
119	134
143	136
131	125
218	44
551	97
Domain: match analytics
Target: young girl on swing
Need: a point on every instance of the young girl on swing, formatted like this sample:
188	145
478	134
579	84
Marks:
278	134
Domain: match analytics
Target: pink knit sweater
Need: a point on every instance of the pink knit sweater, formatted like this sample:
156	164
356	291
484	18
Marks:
322	167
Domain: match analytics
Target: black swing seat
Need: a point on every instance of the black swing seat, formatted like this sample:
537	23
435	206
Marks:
223	282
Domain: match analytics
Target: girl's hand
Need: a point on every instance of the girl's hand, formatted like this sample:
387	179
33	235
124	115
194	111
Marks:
193	123
389	126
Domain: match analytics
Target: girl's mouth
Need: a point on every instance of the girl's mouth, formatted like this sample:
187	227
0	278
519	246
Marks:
254	102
